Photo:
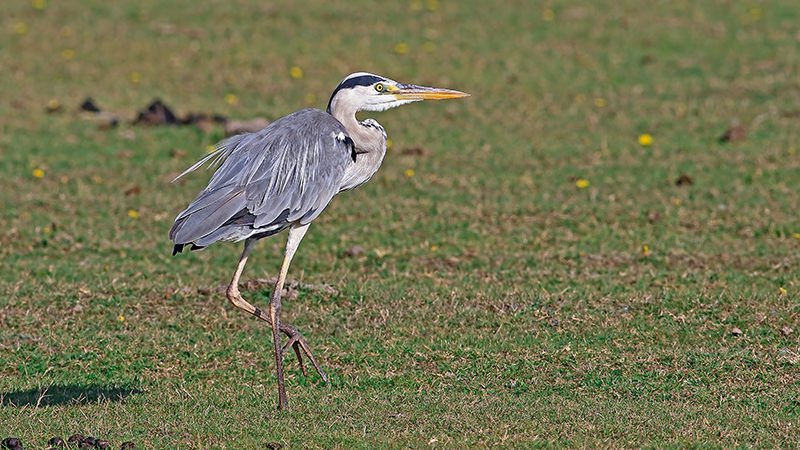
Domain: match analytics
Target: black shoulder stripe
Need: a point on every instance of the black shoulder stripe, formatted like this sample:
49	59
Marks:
349	142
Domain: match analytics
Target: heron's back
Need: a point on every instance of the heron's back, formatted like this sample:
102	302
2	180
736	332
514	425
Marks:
285	173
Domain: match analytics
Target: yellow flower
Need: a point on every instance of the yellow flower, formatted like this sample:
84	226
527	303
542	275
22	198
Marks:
388	143
599	102
797	235
434	248
548	15
401	48
433	5
783	291
39	4
38	173
68	54
582	183
97	179
210	148
645	140
20	28
135	77
231	99
133	214
121	318
296	72
409	172
645	250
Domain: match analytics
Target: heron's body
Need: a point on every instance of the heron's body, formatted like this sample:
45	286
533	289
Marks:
284	176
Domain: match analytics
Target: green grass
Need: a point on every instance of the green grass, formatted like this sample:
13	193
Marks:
497	304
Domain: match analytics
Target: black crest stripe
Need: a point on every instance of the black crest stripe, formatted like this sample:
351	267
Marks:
361	80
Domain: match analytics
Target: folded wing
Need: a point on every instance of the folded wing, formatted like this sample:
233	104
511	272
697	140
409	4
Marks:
285	173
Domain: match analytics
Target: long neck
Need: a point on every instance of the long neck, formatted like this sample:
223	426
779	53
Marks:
370	141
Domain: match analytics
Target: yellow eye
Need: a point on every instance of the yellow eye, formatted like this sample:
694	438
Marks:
379	87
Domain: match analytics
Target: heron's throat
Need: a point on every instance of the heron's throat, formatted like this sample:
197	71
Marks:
367	135
369	139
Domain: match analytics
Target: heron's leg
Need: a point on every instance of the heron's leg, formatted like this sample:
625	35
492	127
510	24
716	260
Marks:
293	241
295	338
233	293
233	289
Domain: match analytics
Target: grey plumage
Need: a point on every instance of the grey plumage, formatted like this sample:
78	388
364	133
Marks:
283	177
286	172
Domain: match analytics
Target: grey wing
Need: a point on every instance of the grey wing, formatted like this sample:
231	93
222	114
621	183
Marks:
286	173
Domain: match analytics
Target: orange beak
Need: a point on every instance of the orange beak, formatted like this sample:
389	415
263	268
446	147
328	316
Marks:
413	92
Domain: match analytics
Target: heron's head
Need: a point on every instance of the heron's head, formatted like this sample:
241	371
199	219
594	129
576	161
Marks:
368	92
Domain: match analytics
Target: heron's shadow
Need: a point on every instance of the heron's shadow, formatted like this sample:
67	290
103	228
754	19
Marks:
66	394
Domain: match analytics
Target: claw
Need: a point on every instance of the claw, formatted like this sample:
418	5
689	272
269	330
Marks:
296	348
292	342
310	355
297	342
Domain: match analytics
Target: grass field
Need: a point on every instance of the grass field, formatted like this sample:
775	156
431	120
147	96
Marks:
533	274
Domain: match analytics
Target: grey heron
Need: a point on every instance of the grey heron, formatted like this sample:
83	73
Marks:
283	177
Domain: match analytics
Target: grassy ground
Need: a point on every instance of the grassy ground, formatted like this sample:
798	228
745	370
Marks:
534	277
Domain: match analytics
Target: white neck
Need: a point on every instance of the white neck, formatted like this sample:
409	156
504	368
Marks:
370	142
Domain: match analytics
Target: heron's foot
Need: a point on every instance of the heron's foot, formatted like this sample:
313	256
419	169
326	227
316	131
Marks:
298	342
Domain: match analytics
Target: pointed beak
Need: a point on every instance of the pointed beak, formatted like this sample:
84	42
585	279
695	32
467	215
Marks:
413	92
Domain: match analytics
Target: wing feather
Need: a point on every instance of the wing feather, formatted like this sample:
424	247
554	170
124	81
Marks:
285	173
